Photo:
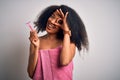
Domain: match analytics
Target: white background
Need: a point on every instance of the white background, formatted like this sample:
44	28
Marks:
102	21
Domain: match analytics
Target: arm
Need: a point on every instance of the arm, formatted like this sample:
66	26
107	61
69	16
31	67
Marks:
32	60
68	51
33	54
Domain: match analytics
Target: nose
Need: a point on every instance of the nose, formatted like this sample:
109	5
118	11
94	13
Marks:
53	21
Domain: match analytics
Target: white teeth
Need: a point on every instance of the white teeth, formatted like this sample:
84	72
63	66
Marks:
50	25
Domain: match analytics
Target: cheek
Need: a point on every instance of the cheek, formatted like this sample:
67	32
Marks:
49	19
56	30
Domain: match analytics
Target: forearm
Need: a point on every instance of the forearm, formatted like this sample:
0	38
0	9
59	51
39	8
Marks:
65	53
32	61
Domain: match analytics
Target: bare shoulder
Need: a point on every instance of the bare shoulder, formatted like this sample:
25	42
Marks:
42	37
42	41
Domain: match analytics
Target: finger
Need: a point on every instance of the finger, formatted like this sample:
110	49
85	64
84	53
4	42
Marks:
33	33
36	36
30	32
33	36
36	32
66	15
33	39
58	11
61	13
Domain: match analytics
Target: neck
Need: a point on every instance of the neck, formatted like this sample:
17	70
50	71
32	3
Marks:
51	36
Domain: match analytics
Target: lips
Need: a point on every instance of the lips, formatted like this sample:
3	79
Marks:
51	26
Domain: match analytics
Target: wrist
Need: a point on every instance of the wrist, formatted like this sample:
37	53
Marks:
36	48
67	32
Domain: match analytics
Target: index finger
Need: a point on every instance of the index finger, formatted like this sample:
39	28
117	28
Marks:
61	12
66	15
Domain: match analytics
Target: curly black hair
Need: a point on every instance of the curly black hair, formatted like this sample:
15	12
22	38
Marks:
78	32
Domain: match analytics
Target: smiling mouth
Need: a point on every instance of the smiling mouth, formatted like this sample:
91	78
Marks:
51	26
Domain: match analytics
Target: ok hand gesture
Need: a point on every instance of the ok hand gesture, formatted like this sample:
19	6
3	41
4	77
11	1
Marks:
64	19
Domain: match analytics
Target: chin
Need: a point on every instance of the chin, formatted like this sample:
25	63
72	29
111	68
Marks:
51	31
48	31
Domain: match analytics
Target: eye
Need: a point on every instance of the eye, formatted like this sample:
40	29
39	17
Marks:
60	21
52	16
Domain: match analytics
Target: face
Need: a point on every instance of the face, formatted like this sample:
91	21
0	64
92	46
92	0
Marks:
54	23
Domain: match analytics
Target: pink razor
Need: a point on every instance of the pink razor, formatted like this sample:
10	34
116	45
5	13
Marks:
29	25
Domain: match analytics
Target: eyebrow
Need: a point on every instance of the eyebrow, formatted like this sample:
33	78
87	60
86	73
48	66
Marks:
57	14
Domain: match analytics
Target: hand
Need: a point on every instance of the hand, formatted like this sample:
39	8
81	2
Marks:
64	17
34	39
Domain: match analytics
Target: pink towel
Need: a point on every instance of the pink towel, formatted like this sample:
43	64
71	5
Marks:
49	68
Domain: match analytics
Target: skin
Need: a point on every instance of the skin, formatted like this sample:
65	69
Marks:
50	41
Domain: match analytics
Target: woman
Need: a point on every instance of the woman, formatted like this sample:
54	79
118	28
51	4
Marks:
51	55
